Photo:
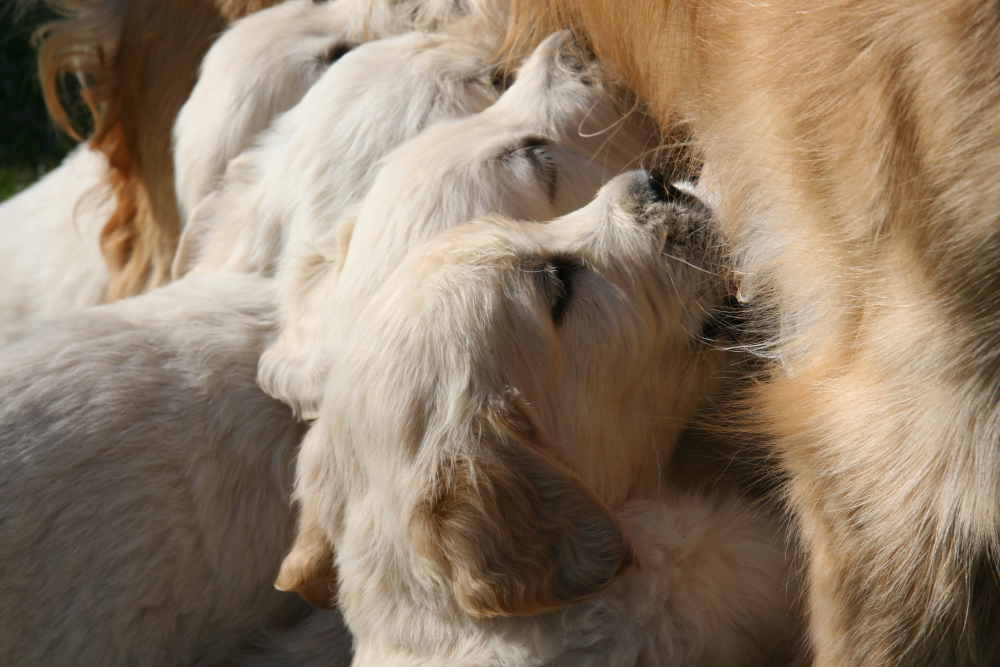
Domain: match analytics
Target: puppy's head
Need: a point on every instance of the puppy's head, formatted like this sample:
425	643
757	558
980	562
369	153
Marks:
522	158
507	385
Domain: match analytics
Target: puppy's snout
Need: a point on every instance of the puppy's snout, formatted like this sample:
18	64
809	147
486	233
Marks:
657	185
662	190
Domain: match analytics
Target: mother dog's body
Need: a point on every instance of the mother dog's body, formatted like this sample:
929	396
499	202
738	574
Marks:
854	147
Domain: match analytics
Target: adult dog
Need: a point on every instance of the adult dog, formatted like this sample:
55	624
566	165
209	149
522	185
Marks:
485	436
853	147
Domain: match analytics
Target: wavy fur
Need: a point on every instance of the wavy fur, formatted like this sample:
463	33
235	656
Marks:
853	149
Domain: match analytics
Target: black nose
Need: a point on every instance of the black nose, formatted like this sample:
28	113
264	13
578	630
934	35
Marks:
658	186
663	190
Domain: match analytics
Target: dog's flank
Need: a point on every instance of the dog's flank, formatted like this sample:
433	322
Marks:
852	148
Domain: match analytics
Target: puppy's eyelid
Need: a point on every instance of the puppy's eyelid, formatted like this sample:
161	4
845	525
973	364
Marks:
335	53
558	278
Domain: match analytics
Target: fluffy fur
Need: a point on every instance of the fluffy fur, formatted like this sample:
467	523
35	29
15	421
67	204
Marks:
260	67
265	63
853	146
50	257
138	62
320	158
144	482
487	415
542	150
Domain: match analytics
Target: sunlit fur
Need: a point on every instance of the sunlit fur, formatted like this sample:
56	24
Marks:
50	258
138	62
543	149
265	63
320	158
853	145
144	482
260	67
477	459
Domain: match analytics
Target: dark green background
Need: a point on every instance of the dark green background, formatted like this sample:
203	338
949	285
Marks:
30	144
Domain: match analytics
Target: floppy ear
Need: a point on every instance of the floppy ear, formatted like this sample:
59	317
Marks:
294	368
309	568
220	211
518	533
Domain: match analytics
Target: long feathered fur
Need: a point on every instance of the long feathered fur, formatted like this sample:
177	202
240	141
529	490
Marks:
853	149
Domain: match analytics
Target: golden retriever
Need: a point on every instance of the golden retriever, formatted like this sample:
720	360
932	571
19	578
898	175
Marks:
543	149
137	62
144	482
50	257
850	144
485	454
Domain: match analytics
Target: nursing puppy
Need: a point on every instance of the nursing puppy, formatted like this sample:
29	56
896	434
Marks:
854	151
543	149
260	67
487	418
144	482
320	158
50	257
138	62
265	63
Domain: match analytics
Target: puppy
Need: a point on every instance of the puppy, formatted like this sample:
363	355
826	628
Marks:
265	63
853	146
260	67
137	62
543	149
50	258
144	482
487	419
319	158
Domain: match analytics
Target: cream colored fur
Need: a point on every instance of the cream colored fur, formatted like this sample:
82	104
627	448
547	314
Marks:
50	253
491	404
144	482
320	157
265	63
542	150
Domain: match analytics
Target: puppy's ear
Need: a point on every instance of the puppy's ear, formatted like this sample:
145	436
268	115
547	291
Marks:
222	214
518	533
309	569
295	366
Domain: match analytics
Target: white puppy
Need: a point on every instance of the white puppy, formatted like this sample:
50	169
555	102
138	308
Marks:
259	68
50	257
318	159
500	403
543	149
263	65
144	482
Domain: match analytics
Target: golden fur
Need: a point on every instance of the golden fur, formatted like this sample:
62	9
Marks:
853	148
137	63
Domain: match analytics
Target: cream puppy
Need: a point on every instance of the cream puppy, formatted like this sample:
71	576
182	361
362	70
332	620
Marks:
502	401
50	257
543	149
144	482
264	63
259	68
318	159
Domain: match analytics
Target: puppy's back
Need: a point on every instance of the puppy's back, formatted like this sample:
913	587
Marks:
143	506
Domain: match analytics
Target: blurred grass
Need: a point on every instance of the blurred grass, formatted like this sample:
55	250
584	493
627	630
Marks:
30	144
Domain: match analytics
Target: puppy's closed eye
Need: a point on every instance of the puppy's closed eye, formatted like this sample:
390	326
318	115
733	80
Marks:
557	279
535	149
335	53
